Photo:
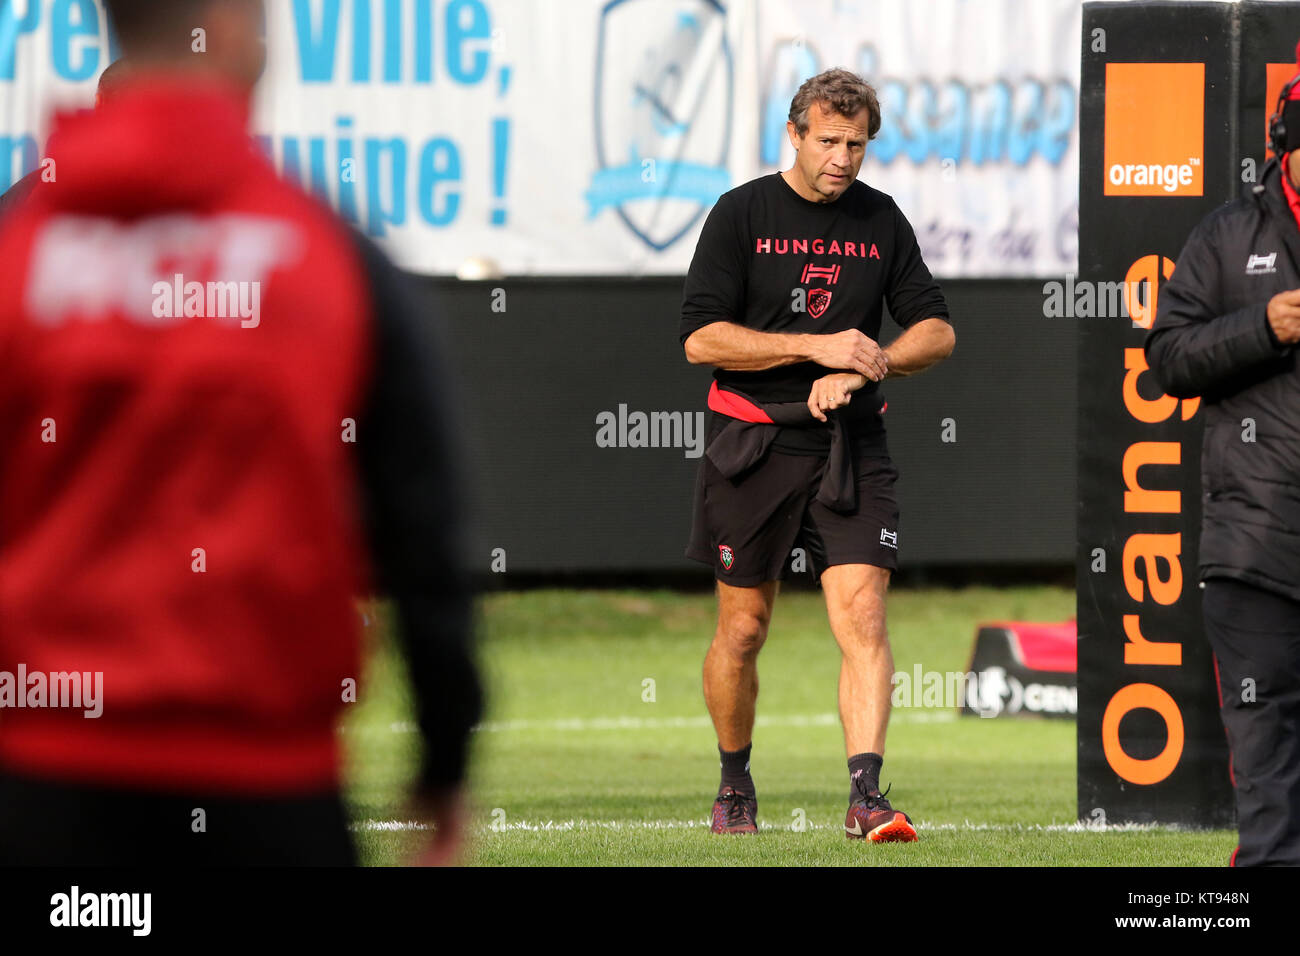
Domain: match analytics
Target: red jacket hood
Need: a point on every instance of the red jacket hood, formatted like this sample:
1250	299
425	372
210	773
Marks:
160	143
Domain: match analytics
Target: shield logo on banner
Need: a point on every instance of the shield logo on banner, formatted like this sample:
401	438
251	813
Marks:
663	108
818	301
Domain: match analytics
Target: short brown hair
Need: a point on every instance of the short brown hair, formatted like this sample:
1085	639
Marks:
159	25
840	90
142	22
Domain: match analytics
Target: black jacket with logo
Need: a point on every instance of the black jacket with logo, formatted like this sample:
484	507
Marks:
1211	338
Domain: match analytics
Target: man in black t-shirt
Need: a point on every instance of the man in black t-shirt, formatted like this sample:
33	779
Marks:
784	298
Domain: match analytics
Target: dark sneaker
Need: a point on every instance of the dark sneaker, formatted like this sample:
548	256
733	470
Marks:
734	812
870	817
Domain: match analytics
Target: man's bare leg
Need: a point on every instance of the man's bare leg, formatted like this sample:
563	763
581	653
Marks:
855	605
731	665
731	692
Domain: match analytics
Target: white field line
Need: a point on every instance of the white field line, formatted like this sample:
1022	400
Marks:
702	823
582	724
585	724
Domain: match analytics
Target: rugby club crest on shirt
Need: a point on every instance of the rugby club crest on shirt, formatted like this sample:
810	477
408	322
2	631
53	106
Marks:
818	301
726	556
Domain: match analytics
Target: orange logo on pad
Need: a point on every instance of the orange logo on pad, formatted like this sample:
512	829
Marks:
1155	129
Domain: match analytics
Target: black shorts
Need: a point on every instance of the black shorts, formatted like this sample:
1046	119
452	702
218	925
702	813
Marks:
748	527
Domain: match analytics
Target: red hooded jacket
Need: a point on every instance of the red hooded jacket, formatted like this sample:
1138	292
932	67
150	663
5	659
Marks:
184	339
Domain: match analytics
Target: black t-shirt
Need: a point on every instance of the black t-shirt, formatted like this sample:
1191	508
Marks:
762	241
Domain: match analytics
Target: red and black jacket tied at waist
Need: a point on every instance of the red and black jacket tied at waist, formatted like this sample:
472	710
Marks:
746	439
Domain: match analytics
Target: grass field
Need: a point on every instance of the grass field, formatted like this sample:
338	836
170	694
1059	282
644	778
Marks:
574	766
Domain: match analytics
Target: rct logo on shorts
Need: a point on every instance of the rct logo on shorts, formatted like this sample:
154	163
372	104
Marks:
726	556
889	538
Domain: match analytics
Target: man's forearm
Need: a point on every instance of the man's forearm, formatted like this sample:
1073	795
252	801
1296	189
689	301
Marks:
924	344
733	347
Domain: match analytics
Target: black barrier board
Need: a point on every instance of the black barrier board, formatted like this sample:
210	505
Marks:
1158	135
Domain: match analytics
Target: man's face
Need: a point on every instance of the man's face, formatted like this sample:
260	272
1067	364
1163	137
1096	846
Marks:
828	157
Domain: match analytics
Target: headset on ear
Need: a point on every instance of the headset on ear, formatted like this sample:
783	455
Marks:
1279	140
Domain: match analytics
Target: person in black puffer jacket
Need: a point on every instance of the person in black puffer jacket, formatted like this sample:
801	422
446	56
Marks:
1226	330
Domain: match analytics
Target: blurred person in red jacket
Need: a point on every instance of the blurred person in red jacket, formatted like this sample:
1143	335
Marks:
221	420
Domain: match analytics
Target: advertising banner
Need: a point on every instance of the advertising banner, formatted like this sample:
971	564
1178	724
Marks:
581	137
